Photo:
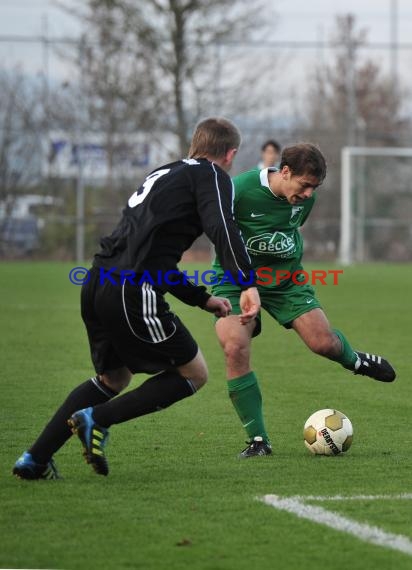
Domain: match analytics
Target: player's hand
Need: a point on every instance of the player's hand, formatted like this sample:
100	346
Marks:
250	305
220	306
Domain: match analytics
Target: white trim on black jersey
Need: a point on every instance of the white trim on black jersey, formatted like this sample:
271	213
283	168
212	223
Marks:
224	221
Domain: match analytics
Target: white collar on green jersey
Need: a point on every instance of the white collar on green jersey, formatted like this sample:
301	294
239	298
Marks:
264	179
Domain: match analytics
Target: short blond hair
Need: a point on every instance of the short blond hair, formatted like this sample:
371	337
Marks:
214	137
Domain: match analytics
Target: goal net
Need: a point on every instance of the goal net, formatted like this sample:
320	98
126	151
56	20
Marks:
376	204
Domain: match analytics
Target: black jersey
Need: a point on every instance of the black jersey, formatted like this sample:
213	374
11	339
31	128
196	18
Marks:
177	203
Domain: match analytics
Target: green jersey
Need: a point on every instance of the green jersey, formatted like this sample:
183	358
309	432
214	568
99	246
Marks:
269	224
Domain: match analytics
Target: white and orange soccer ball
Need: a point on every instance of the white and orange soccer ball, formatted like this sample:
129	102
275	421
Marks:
328	432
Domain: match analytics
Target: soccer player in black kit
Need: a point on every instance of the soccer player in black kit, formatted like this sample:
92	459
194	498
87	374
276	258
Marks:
129	324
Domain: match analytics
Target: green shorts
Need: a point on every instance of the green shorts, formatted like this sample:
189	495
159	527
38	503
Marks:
284	303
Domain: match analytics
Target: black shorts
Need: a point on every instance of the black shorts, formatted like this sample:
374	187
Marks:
132	326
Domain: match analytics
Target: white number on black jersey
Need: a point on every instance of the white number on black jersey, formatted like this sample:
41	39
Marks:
138	197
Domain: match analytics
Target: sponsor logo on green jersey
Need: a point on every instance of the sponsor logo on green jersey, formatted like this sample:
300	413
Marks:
277	244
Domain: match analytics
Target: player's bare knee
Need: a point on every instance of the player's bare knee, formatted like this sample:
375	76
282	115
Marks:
236	353
196	371
200	375
323	346
199	381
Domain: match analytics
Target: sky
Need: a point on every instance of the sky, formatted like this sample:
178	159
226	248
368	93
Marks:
297	20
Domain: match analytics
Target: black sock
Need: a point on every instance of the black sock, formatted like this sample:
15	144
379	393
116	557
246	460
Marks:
157	393
57	432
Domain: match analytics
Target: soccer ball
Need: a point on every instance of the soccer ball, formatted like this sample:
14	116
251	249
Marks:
328	432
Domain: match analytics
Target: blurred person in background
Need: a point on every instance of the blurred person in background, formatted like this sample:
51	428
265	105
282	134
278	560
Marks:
270	154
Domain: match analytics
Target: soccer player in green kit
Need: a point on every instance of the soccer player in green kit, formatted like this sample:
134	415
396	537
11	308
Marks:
269	207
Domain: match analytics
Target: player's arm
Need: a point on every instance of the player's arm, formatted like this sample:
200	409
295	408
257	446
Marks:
214	195
196	295
215	206
186	291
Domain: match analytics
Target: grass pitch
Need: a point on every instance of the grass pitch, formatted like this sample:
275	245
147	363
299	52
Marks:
177	497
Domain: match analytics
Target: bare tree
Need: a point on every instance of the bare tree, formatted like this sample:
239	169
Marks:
351	97
113	93
21	127
181	42
350	102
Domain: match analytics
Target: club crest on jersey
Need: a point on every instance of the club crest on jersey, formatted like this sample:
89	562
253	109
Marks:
295	215
278	244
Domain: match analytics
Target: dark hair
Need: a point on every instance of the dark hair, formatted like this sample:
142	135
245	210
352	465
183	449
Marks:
304	158
214	137
273	143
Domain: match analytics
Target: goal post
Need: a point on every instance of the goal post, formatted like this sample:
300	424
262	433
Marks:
347	220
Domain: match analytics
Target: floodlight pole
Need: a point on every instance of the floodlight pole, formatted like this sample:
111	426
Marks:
346	209
80	197
79	206
394	45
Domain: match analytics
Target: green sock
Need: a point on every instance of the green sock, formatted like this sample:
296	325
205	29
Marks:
246	398
348	356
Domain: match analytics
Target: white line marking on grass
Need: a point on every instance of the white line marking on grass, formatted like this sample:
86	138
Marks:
400	497
319	515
